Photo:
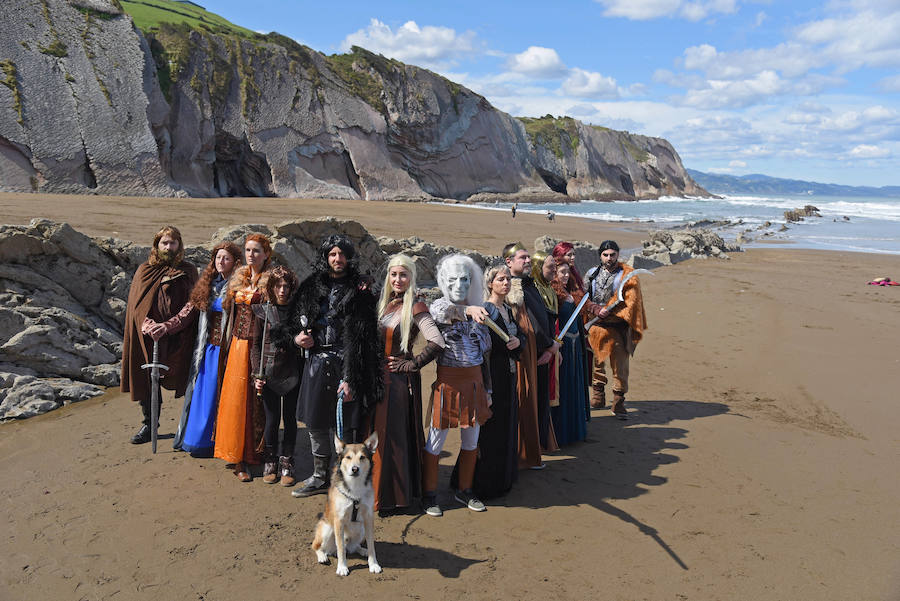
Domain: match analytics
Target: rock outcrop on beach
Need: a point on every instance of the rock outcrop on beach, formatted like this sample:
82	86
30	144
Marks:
668	247
90	104
63	297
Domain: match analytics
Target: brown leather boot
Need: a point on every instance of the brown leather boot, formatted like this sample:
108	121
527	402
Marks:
618	405
598	396
286	471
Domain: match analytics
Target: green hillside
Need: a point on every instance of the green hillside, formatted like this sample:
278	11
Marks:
148	15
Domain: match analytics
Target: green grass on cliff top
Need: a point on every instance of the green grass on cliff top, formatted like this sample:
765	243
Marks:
148	15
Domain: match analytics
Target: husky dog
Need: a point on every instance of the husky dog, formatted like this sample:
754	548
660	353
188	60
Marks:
349	511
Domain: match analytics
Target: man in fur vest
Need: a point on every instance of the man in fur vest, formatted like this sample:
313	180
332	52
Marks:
618	331
344	355
159	290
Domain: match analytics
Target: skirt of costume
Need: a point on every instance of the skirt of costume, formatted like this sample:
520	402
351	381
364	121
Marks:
201	420
240	422
569	416
458	398
397	471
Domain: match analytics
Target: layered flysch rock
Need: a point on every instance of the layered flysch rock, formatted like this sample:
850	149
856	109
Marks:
63	297
90	105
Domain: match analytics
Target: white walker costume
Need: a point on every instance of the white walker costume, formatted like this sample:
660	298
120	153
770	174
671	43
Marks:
460	396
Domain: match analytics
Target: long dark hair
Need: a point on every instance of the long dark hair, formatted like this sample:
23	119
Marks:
202	289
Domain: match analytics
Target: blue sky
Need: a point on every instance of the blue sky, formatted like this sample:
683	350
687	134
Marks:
792	89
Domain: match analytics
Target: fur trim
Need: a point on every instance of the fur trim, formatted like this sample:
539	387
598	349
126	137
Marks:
516	296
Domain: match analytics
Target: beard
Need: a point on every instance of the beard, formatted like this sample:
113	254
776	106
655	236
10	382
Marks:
167	258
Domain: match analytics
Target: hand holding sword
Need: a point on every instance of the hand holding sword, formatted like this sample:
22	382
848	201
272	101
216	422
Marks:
620	297
304	323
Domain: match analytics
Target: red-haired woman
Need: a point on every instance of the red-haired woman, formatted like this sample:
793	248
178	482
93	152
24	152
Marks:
198	417
564	252
239	426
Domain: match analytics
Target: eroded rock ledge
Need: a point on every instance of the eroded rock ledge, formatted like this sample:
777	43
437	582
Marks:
63	294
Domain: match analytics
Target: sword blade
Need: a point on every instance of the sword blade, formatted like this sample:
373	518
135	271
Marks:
499	332
572	319
154	398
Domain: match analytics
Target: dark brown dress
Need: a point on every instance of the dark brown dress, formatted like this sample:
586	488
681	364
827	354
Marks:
397	475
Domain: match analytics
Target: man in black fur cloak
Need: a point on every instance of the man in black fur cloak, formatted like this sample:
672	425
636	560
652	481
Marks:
334	319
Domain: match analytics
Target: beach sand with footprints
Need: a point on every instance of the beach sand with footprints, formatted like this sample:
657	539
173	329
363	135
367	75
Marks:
760	460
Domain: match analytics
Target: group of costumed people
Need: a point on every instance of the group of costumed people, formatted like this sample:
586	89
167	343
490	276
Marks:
254	351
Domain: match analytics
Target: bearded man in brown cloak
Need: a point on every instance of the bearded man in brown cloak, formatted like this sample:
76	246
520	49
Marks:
161	287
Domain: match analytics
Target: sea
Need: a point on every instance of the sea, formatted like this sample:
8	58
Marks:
848	224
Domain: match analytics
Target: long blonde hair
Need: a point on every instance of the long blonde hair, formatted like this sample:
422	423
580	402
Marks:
409	297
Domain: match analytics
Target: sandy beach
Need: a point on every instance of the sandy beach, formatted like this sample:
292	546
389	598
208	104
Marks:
760	460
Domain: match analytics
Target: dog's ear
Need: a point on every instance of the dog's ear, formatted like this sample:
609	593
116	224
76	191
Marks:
338	445
372	442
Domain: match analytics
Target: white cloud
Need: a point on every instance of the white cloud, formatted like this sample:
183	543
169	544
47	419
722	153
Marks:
641	10
869	151
737	164
890	84
850	41
538	62
428	46
739	93
590	84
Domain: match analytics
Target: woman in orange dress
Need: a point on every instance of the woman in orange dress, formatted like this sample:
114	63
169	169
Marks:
240	423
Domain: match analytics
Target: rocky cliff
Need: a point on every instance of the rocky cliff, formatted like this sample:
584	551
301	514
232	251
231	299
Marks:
90	104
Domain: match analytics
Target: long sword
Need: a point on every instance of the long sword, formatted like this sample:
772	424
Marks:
493	325
154	368
572	318
620	298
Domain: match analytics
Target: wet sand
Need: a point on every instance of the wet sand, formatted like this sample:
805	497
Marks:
759	461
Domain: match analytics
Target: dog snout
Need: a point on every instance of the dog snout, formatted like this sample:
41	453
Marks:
354	470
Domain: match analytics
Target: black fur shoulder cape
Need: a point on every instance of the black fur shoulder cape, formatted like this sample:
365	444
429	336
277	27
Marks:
363	355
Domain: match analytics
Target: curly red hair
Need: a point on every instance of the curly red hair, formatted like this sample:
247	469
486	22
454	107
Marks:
203	287
559	253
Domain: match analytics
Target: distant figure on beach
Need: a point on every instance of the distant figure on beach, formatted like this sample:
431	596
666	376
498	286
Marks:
514	207
201	397
160	288
619	328
335	318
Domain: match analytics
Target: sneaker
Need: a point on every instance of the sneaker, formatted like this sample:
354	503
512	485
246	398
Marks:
430	504
467	497
538	467
309	487
270	472
142	436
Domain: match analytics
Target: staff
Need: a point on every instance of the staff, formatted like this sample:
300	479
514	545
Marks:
261	375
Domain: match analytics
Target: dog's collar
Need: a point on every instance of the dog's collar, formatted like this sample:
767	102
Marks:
355	515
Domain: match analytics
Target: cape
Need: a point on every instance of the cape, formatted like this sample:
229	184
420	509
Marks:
363	355
631	312
159	292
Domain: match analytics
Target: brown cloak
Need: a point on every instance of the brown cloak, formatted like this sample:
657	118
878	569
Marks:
631	312
158	292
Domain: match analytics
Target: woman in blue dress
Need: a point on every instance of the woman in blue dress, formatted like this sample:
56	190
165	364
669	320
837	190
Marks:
570	416
198	417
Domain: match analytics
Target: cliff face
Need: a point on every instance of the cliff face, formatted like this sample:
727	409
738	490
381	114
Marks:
89	104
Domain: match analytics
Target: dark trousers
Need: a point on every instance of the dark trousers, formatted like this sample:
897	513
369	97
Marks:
145	408
276	406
